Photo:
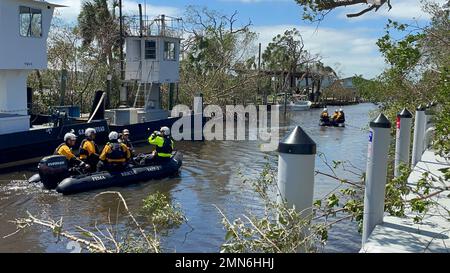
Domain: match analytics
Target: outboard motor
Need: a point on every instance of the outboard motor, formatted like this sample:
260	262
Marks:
52	170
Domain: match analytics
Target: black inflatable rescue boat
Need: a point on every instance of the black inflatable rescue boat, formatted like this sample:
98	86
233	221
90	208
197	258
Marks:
54	174
331	124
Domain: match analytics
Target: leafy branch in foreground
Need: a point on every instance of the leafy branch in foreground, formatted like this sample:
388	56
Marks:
136	238
161	213
316	10
282	229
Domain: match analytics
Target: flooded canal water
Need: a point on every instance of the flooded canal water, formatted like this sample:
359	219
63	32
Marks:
209	176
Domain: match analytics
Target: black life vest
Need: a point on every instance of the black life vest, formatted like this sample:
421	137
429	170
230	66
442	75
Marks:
128	143
167	147
117	153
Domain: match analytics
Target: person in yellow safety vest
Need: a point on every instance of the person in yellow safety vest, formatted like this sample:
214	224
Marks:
335	116
163	143
89	151
115	155
325	117
65	149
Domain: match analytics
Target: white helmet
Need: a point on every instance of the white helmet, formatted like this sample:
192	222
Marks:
165	130
113	135
340	110
70	136
89	132
325	109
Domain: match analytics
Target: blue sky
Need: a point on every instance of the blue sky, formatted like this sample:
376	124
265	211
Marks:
347	45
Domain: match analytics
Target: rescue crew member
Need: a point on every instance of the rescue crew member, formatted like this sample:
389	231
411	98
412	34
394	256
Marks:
163	143
115	155
341	116
89	151
325	117
125	139
335	116
65	149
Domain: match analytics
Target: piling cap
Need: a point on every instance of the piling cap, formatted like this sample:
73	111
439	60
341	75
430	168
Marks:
380	122
421	108
404	114
297	142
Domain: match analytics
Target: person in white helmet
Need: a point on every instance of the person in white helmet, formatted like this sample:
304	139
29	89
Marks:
115	155
341	116
324	116
164	144
65	149
335	116
89	151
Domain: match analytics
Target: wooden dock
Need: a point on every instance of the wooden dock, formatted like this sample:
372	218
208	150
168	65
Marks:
402	235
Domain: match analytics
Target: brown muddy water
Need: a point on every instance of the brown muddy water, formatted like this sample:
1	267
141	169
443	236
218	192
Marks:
209	176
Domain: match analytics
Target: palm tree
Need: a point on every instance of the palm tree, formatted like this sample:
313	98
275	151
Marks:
98	25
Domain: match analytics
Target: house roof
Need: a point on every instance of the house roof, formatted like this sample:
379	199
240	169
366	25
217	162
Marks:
44	3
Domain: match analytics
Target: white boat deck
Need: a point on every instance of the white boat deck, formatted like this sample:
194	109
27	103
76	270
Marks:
402	235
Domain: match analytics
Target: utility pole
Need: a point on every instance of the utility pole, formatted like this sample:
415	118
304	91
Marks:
121	40
63	86
122	91
141	23
264	96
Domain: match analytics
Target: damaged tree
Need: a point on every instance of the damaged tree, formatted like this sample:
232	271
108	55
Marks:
316	10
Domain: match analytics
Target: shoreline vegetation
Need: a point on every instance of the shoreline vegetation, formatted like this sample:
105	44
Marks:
418	74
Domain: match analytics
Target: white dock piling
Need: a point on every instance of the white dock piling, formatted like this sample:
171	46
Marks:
403	140
428	137
428	116
296	163
419	135
376	174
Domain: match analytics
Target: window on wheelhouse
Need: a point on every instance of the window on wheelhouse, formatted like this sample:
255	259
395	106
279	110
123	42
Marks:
150	49
169	51
30	22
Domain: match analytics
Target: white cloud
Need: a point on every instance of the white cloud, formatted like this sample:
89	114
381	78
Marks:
70	13
351	51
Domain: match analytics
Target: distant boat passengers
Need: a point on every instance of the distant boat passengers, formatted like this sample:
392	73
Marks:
325	117
338	117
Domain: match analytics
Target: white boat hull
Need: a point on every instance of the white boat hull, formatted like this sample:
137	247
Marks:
303	106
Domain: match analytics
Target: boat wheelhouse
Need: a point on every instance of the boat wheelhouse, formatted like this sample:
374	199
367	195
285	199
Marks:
24	28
